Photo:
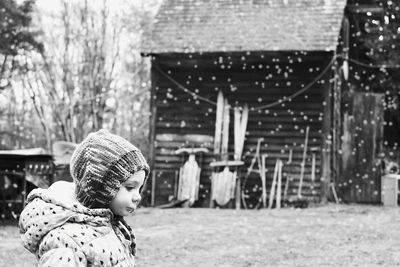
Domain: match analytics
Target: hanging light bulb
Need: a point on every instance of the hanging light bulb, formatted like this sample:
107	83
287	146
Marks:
345	69
346	40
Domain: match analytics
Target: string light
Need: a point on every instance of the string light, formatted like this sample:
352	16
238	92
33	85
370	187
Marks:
247	192
285	98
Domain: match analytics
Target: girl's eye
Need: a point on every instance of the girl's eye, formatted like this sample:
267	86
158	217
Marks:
129	188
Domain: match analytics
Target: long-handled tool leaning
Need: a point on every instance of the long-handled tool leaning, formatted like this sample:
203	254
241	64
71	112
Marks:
279	185
273	185
276	187
264	180
303	163
299	201
314	151
288	177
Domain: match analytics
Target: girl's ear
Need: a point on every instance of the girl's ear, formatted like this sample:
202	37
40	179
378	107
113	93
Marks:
144	185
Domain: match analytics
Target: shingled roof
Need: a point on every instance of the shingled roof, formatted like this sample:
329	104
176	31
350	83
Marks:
245	25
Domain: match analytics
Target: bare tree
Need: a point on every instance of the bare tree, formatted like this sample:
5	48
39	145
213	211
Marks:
70	81
90	74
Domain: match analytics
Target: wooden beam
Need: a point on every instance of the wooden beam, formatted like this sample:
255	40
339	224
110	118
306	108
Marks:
326	141
364	9
152	130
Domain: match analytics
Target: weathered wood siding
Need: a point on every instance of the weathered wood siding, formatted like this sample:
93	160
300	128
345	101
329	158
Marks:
362	139
253	78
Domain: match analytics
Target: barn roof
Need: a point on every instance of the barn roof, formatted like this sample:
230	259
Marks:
245	25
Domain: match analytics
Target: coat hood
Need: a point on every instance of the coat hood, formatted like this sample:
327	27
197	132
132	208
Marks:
50	208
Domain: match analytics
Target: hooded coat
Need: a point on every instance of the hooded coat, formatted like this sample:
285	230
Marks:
62	232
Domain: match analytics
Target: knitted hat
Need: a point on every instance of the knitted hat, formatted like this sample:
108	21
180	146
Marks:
100	164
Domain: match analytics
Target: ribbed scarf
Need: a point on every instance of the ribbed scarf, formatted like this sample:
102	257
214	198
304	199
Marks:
126	230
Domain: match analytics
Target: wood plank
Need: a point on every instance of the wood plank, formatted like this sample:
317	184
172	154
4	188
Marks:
363	134
153	116
326	143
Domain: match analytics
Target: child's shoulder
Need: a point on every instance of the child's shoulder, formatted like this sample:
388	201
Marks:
81	233
95	243
85	237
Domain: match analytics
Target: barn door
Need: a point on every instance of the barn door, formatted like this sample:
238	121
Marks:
361	145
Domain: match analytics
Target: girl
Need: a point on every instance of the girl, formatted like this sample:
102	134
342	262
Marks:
81	223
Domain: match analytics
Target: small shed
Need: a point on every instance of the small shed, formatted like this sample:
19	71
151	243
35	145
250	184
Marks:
274	56
20	172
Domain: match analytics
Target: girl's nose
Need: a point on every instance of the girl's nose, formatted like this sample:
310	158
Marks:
136	198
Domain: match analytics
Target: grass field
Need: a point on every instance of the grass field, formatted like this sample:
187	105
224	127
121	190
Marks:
331	235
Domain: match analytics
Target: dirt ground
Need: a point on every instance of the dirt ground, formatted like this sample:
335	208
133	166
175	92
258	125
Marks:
331	235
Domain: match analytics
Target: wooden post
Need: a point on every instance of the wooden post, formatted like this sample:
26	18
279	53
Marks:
176	180
218	123
153	114
225	131
213	173
279	185
326	139
313	162
236	133
285	192
272	192
24	192
238	190
288	163
153	187
263	181
334	193
24	184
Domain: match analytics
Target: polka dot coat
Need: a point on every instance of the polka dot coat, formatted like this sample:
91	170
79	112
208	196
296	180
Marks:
62	232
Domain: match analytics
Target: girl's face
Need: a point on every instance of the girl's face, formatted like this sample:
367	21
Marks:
128	197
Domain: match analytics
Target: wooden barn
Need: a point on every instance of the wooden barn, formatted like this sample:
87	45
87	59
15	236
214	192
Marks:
366	132
275	57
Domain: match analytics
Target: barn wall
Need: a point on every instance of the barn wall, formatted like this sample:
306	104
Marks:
360	178
253	78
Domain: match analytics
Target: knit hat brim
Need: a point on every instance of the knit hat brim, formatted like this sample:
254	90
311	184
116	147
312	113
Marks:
103	191
100	164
